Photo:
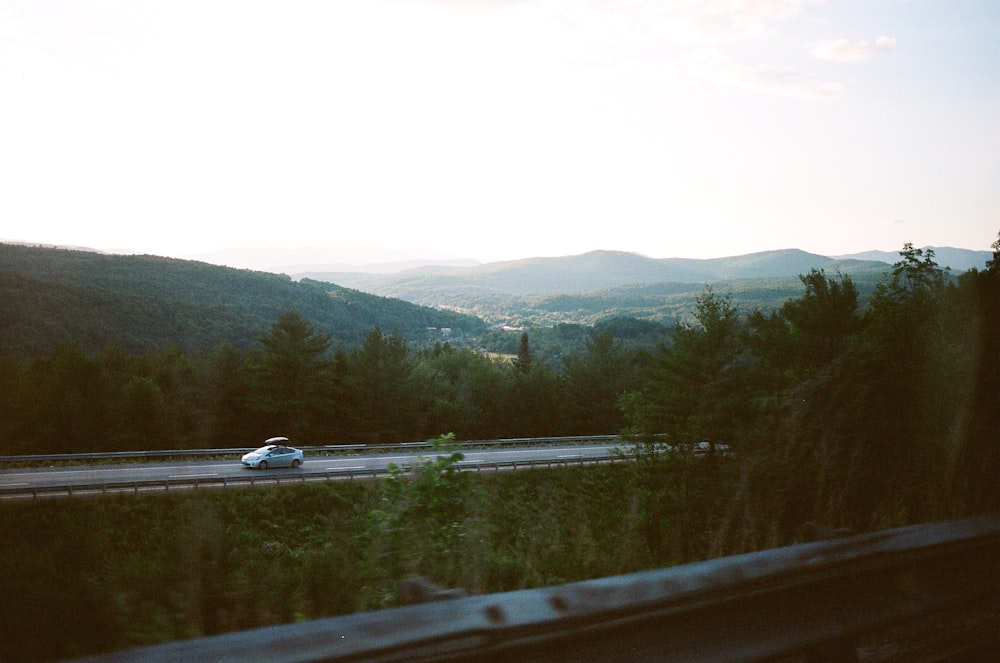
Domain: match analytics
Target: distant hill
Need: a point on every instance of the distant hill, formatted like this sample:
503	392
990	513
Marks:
48	295
597	270
593	286
958	260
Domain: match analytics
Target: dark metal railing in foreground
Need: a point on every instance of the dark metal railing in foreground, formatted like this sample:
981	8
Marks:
811	600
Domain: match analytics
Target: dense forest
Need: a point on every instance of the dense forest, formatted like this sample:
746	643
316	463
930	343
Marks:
837	414
854	408
140	303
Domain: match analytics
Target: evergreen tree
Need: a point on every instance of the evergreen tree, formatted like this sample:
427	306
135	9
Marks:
694	388
234	420
805	335
70	405
594	383
864	439
973	484
384	401
524	357
292	377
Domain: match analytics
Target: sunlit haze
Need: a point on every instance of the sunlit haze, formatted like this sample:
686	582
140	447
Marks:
501	129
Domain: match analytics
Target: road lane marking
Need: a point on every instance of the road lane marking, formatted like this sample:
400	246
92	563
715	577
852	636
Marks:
570	456
191	476
351	467
526	451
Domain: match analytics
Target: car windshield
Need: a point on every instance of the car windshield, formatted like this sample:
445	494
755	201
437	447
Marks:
263	450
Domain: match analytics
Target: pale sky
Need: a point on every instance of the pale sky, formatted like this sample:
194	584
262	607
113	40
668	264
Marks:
501	129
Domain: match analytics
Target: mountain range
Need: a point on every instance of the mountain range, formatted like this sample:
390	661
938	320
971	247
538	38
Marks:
49	293
316	260
588	287
596	270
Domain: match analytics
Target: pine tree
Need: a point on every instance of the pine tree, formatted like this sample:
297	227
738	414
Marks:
523	361
293	382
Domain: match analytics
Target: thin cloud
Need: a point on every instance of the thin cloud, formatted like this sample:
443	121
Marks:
844	50
634	37
714	20
681	21
684	21
475	4
711	65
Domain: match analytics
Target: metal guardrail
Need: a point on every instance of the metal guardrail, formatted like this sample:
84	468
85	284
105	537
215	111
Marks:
811	600
252	479
329	448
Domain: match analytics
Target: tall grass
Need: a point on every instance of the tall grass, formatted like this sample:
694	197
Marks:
95	575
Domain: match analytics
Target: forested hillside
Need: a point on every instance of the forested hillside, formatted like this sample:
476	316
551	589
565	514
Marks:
49	295
591	287
662	302
836	415
847	403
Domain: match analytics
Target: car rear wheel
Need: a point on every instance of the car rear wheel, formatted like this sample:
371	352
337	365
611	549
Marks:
262	465
296	463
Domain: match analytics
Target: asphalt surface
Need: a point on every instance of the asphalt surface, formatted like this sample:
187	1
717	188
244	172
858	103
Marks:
81	476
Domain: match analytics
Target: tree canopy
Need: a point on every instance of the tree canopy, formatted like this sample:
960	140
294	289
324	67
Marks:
852	413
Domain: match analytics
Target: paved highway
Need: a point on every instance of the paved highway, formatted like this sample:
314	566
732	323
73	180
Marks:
81	476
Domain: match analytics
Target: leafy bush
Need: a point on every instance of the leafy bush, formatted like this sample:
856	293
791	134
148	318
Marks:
103	574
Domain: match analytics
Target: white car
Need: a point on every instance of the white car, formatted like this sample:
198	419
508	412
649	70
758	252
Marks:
274	453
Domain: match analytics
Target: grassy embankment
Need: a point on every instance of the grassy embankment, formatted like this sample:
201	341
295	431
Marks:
86	576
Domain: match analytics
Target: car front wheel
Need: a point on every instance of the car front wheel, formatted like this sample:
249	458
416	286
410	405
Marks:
262	465
296	463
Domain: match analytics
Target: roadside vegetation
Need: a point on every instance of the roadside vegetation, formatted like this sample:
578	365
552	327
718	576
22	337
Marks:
838	415
95	575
